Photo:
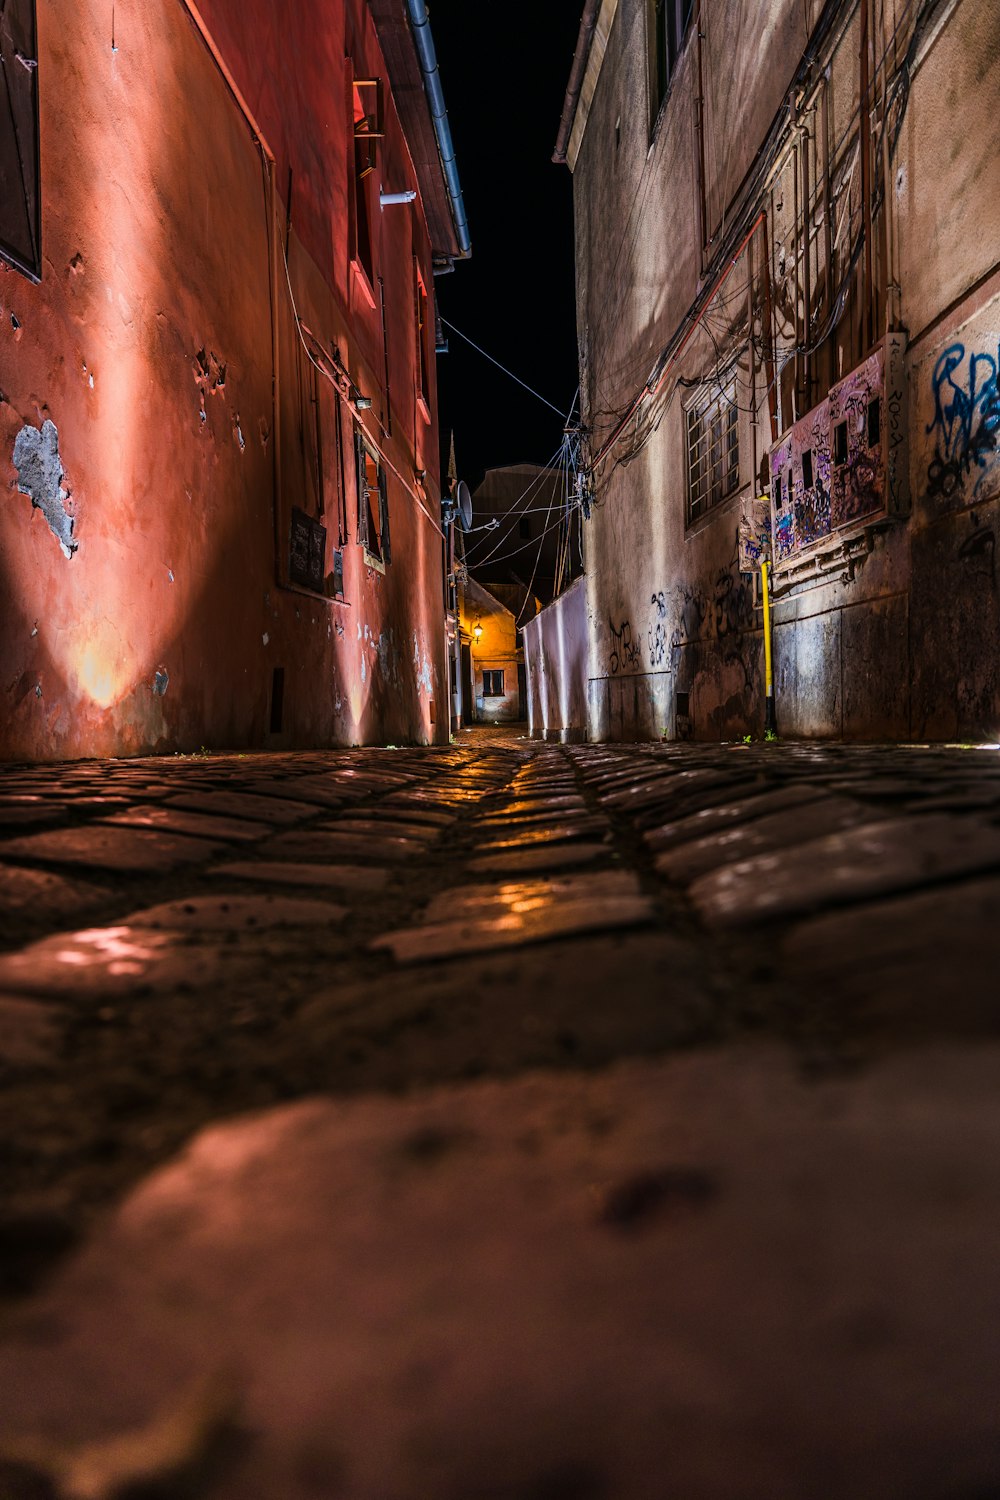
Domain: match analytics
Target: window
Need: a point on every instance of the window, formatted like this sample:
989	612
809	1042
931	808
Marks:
840	443
424	346
669	23
373	504
20	196
367	108
807	469
493	684
713	453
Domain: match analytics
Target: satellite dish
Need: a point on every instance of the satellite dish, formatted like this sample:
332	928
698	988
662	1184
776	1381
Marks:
463	506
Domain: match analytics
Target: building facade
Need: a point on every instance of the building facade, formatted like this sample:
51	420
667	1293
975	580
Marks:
222	522
519	517
493	687
788	298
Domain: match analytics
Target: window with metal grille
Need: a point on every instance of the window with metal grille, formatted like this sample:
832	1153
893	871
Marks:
713	453
20	195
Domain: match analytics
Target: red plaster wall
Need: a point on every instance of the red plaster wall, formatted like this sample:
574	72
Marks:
156	243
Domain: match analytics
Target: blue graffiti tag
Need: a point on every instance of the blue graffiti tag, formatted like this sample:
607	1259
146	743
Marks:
966	417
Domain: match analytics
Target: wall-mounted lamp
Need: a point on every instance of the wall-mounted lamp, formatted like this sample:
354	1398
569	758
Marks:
361	403
477	631
385	199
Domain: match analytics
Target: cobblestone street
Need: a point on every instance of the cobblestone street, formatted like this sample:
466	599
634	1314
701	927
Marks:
507	1120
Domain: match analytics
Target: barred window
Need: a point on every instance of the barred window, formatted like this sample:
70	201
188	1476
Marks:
713	453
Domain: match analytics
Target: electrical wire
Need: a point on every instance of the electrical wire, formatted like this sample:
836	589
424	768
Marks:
695	316
516	378
558	463
516	511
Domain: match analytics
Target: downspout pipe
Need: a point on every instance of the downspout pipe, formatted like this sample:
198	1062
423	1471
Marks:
580	59
420	22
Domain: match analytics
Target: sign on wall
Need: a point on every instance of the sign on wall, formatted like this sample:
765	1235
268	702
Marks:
306	551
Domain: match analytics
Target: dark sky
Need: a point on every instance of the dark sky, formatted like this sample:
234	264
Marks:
504	68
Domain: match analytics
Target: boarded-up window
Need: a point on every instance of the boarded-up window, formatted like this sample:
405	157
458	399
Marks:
20	226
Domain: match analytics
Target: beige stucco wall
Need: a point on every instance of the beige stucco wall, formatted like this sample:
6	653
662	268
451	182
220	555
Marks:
903	641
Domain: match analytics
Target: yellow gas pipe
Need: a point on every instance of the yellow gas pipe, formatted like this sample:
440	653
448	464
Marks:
770	722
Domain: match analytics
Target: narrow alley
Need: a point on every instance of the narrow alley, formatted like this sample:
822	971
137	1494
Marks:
501	1120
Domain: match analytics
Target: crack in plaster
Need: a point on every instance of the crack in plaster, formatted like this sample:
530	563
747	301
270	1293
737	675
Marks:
40	473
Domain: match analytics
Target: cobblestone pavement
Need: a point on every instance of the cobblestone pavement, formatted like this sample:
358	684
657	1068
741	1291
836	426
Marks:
501	1121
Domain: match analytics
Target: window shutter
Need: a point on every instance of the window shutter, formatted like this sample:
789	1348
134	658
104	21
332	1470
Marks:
383	514
20	227
362	486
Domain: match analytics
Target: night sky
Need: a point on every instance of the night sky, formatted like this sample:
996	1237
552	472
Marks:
504	68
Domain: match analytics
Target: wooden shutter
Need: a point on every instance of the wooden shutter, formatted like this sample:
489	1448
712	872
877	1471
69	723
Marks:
20	195
383	514
362	484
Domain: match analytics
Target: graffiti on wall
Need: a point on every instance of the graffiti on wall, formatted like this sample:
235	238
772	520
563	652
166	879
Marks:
843	461
754	532
625	653
656	636
965	422
855	424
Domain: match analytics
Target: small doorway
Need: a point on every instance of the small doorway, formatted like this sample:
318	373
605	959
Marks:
522	691
467	700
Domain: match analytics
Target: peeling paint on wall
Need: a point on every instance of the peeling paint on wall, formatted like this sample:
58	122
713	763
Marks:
423	668
40	474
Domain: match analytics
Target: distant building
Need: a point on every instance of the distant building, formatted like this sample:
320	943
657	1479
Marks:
222	522
524	505
788	307
493	684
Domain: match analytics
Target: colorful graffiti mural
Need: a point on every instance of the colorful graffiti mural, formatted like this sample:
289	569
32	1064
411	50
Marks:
839	465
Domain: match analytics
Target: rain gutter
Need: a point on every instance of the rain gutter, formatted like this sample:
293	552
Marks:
420	22
581	57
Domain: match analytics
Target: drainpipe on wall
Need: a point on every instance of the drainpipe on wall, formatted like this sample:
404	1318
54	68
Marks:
577	74
427	54
770	721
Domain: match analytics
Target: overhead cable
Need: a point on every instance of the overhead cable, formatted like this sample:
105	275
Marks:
516	378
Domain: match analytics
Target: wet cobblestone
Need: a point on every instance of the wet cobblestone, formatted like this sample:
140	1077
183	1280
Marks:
581	977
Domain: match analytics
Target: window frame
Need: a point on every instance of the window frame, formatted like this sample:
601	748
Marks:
668	24
22	42
378	557
491	672
366	112
711	480
422	326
